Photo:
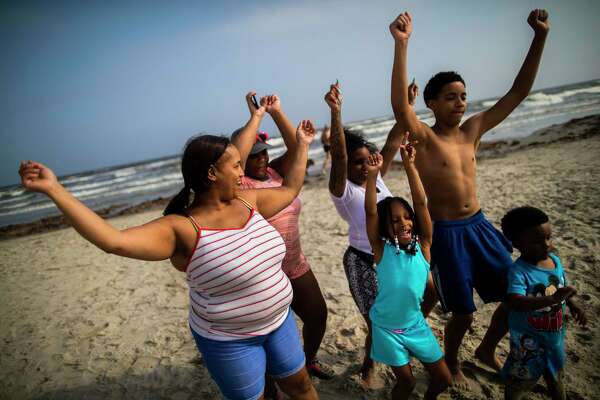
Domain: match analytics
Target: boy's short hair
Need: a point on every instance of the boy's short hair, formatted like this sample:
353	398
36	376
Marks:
437	82
519	219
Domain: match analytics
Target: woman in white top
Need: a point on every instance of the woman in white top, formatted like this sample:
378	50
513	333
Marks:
347	183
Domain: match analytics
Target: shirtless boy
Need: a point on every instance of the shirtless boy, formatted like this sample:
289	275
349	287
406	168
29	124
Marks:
467	252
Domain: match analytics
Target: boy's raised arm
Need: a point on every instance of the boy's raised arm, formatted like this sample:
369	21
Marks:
339	158
401	29
486	120
396	134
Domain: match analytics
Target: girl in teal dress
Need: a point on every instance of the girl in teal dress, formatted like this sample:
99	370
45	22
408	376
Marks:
401	241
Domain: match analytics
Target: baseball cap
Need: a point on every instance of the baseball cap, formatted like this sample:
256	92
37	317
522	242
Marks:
261	141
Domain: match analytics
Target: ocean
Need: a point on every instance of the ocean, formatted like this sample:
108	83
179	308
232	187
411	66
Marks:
120	187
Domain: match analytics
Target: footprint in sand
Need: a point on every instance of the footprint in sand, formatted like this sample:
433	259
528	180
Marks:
347	332
585	297
585	336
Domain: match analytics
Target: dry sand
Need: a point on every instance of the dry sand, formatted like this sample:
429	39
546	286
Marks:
78	323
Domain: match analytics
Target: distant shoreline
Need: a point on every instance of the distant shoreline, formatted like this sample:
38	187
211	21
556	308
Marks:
574	129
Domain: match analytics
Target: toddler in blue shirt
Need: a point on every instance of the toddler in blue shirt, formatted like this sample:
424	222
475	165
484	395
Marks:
538	294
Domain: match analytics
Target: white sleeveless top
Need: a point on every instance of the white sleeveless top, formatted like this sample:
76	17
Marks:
237	287
351	207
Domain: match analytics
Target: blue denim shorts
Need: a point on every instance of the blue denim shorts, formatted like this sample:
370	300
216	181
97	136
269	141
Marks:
238	367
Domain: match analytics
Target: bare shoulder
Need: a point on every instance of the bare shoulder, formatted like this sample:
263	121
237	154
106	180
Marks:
425	132
175	222
249	196
186	235
472	126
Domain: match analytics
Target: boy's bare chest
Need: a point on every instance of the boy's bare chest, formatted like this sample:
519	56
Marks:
442	155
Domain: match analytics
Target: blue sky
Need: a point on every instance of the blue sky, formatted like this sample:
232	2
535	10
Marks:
93	84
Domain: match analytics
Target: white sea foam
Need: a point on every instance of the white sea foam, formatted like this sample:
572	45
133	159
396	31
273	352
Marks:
542	99
124	172
37	207
143	184
162	163
81	178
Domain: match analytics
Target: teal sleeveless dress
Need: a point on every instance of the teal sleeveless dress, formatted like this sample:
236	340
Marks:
399	328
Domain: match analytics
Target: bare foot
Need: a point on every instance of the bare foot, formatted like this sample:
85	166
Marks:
459	380
488	359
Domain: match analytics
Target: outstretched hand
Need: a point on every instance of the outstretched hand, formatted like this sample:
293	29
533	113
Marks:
305	133
260	111
538	20
578	314
564	293
334	97
37	177
374	163
401	27
407	149
271	103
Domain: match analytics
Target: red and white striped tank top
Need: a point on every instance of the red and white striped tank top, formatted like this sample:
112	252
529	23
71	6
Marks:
237	287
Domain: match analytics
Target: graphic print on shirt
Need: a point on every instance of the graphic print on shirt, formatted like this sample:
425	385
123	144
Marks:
548	319
526	355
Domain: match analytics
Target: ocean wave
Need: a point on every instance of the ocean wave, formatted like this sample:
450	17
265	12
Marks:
127	184
77	178
542	99
149	188
147	183
38	207
120	173
12	192
159	164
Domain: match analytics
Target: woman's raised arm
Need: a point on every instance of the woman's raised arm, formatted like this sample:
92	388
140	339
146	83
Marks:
270	201
339	157
153	241
246	137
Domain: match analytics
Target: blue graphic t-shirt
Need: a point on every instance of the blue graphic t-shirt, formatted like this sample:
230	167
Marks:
536	337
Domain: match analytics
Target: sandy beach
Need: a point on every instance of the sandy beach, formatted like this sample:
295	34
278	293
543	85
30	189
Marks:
78	323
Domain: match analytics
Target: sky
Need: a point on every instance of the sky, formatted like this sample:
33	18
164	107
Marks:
92	84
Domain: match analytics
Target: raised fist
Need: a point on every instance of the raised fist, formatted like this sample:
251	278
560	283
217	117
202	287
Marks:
37	177
538	20
334	97
401	27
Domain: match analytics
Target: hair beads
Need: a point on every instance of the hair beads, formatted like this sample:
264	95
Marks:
397	244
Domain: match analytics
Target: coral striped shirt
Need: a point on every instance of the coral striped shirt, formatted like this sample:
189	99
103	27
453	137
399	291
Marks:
237	287
286	222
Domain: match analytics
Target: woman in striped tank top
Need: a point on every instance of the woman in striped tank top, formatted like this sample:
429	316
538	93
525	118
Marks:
239	296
